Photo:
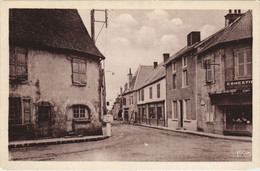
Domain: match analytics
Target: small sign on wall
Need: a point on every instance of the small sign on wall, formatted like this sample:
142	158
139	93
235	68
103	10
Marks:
108	118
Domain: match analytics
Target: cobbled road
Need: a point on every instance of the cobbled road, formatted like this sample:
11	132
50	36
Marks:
136	143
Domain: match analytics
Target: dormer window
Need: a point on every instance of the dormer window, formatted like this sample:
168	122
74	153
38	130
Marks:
173	66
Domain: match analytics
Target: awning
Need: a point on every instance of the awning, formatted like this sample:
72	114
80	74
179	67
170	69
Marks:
226	99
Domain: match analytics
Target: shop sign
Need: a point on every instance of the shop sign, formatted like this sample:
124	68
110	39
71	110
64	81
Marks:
238	84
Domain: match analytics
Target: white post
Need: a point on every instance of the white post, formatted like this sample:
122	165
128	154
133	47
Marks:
108	129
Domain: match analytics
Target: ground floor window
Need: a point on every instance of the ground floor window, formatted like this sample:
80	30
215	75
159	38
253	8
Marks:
174	110
19	111
80	111
151	112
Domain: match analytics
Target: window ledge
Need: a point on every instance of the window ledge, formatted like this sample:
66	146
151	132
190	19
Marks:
187	120
81	120
174	119
79	85
210	123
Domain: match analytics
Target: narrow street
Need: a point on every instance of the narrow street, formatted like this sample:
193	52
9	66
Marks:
136	143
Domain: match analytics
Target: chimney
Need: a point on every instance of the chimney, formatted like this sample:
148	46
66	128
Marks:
121	90
231	17
126	86
193	37
129	77
166	56
155	64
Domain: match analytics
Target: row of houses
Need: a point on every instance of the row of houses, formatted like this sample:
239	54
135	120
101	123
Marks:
206	86
55	75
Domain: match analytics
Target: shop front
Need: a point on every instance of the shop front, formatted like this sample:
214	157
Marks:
237	112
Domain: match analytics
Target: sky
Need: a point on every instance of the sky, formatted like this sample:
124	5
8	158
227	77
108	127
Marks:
140	37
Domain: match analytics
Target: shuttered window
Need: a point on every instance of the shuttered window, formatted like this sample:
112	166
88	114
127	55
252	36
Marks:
18	64
79	68
19	111
244	63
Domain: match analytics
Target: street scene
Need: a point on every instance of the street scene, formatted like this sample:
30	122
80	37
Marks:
130	85
136	143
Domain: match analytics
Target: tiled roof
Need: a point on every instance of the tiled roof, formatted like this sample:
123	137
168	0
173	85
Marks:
156	74
143	73
238	30
55	28
179	53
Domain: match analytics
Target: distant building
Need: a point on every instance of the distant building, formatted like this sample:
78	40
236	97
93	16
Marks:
151	96
181	86
224	78
129	98
54	78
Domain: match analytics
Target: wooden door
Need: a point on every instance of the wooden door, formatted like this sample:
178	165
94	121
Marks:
44	118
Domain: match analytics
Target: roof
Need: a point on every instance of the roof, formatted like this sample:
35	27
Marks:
139	77
240	29
143	73
183	51
157	74
55	28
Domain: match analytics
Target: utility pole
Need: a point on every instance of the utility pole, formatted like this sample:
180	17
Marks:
93	21
102	69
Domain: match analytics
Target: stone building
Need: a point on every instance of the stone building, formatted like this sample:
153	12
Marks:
181	86
151	96
55	82
129	99
224	78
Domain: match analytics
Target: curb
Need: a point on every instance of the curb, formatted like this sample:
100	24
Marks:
54	141
245	139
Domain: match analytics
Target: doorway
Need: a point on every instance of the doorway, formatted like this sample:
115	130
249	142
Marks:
44	121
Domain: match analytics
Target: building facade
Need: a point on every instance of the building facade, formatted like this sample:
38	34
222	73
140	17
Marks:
151	98
181	86
55	82
224	78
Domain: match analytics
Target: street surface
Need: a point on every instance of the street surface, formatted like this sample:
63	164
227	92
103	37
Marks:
136	143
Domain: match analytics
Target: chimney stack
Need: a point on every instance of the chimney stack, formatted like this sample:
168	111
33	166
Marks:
129	77
193	37
155	64
121	90
126	86
166	56
231	17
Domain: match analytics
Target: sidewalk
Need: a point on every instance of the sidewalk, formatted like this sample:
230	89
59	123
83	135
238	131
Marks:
74	139
236	138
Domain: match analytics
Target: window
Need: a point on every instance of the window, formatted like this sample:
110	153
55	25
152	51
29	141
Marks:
210	112
151	112
151	92
158	90
244	63
209	71
174	110
124	101
173	66
142	94
184	78
18	64
19	111
174	82
80	111
131	100
79	76
184	61
186	109
139	95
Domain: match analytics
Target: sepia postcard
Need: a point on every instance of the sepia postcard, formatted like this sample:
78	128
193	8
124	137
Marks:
129	85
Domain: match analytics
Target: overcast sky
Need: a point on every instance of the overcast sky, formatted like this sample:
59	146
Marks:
140	37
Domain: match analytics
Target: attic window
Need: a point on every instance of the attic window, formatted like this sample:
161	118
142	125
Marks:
79	68
18	64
